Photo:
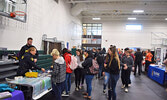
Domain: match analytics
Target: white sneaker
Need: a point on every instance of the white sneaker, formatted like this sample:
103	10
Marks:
65	95
76	89
80	87
126	90
104	91
129	85
123	86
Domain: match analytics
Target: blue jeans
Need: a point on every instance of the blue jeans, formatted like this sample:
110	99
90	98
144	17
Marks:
68	83
113	82
100	70
106	79
89	83
58	89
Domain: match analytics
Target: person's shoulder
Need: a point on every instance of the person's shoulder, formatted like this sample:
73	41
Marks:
24	46
27	55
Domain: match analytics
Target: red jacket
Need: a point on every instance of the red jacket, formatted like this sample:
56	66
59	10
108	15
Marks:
67	58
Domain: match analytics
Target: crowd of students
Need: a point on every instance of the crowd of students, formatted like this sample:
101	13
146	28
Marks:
109	66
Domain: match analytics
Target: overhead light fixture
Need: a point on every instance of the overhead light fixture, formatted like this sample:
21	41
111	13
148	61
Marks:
131	18
138	11
165	18
96	18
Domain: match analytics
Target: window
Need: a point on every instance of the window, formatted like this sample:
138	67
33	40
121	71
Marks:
92	29
91	35
137	27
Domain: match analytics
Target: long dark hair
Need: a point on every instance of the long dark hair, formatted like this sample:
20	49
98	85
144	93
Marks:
113	55
80	56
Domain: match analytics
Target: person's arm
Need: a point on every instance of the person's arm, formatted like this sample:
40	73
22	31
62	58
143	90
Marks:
87	63
32	63
131	63
56	69
21	52
122	61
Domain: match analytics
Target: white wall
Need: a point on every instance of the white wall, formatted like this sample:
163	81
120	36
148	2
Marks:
115	33
44	17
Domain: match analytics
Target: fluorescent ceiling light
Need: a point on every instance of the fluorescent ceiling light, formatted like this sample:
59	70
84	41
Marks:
138	11
165	18
131	18
96	18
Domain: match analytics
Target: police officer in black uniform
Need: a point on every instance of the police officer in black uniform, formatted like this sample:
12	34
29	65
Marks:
27	62
25	48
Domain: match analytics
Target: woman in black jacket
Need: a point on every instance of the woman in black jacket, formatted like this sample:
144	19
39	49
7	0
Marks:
113	64
27	62
88	76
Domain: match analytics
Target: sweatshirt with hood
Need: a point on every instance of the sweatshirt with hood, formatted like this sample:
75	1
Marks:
59	70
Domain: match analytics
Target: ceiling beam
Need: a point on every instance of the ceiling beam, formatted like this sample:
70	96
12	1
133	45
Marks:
100	1
78	8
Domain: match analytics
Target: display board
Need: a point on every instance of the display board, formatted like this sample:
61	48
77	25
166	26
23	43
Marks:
15	9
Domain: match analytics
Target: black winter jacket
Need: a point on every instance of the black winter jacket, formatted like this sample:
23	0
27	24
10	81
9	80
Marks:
86	64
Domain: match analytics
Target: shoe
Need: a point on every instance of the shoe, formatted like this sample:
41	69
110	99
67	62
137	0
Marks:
123	86
76	89
104	91
84	93
80	87
87	97
65	95
129	85
126	90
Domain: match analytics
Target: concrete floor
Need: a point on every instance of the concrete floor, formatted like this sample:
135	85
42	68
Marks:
142	88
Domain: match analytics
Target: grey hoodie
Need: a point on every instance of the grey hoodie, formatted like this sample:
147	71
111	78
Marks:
59	71
128	61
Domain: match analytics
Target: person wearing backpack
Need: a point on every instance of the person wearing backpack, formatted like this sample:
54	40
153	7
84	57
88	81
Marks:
67	58
78	71
88	75
58	74
113	63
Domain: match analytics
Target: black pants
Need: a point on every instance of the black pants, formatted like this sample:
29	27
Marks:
137	64
78	76
125	76
147	64
83	76
122	76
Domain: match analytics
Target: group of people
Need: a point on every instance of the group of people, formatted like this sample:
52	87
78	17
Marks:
110	64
